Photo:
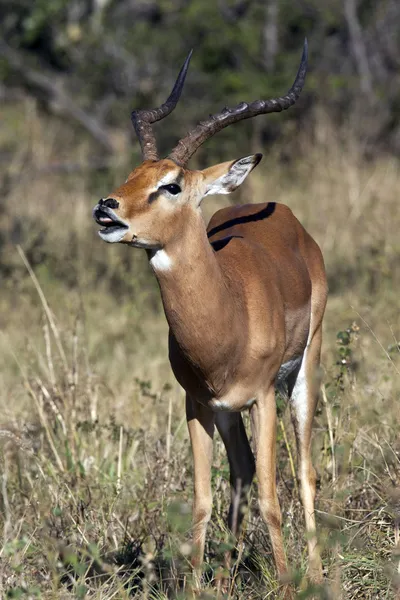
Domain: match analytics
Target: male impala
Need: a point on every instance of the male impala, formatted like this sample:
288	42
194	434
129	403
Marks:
244	300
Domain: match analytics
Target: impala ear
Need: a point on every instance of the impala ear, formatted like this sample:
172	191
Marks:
226	177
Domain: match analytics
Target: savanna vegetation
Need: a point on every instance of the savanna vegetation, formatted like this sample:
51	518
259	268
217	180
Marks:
96	472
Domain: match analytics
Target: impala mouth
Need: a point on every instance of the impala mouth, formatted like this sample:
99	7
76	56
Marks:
113	228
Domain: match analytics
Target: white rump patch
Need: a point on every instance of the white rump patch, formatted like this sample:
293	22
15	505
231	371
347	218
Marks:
299	396
160	261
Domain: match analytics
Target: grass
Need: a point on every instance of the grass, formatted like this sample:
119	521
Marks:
96	472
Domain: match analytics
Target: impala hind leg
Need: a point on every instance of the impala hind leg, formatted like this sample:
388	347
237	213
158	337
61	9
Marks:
201	431
304	395
241	466
264	422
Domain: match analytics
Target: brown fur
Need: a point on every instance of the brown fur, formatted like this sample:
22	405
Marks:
239	304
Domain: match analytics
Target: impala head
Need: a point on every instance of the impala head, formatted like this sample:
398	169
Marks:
147	210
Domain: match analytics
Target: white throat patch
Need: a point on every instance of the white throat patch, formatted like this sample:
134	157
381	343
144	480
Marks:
160	261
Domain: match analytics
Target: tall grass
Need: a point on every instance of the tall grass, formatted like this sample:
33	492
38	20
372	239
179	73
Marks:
96	472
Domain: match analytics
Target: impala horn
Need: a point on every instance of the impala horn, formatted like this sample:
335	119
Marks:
188	145
143	119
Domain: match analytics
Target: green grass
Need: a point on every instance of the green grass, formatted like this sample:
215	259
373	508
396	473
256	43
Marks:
96	471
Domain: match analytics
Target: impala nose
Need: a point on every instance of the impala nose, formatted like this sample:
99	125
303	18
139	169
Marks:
110	202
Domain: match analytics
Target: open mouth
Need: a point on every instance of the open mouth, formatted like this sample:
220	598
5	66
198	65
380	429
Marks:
113	228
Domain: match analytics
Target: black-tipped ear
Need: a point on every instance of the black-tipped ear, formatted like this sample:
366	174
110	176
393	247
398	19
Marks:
246	164
258	159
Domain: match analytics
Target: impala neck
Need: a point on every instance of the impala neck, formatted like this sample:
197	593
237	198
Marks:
199	301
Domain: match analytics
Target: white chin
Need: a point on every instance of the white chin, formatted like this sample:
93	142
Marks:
113	236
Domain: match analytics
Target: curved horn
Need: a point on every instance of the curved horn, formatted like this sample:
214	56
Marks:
188	145
142	119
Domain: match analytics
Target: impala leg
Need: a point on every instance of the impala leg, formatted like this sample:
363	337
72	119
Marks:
201	431
265	436
241	465
304	396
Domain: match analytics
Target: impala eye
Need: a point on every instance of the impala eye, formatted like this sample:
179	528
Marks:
172	188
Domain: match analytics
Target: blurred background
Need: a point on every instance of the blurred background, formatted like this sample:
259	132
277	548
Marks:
87	398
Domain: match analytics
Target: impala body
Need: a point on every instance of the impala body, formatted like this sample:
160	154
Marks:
244	300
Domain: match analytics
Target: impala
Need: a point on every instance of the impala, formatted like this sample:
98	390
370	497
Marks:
244	300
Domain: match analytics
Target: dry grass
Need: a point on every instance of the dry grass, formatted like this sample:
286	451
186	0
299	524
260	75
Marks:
96	475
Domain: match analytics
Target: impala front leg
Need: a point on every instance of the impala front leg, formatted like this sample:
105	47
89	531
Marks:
201	430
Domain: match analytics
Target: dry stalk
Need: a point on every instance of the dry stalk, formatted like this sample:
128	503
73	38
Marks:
390	359
329	418
49	355
168	437
46	307
52	404
289	451
45	425
6	504
119	467
41	414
